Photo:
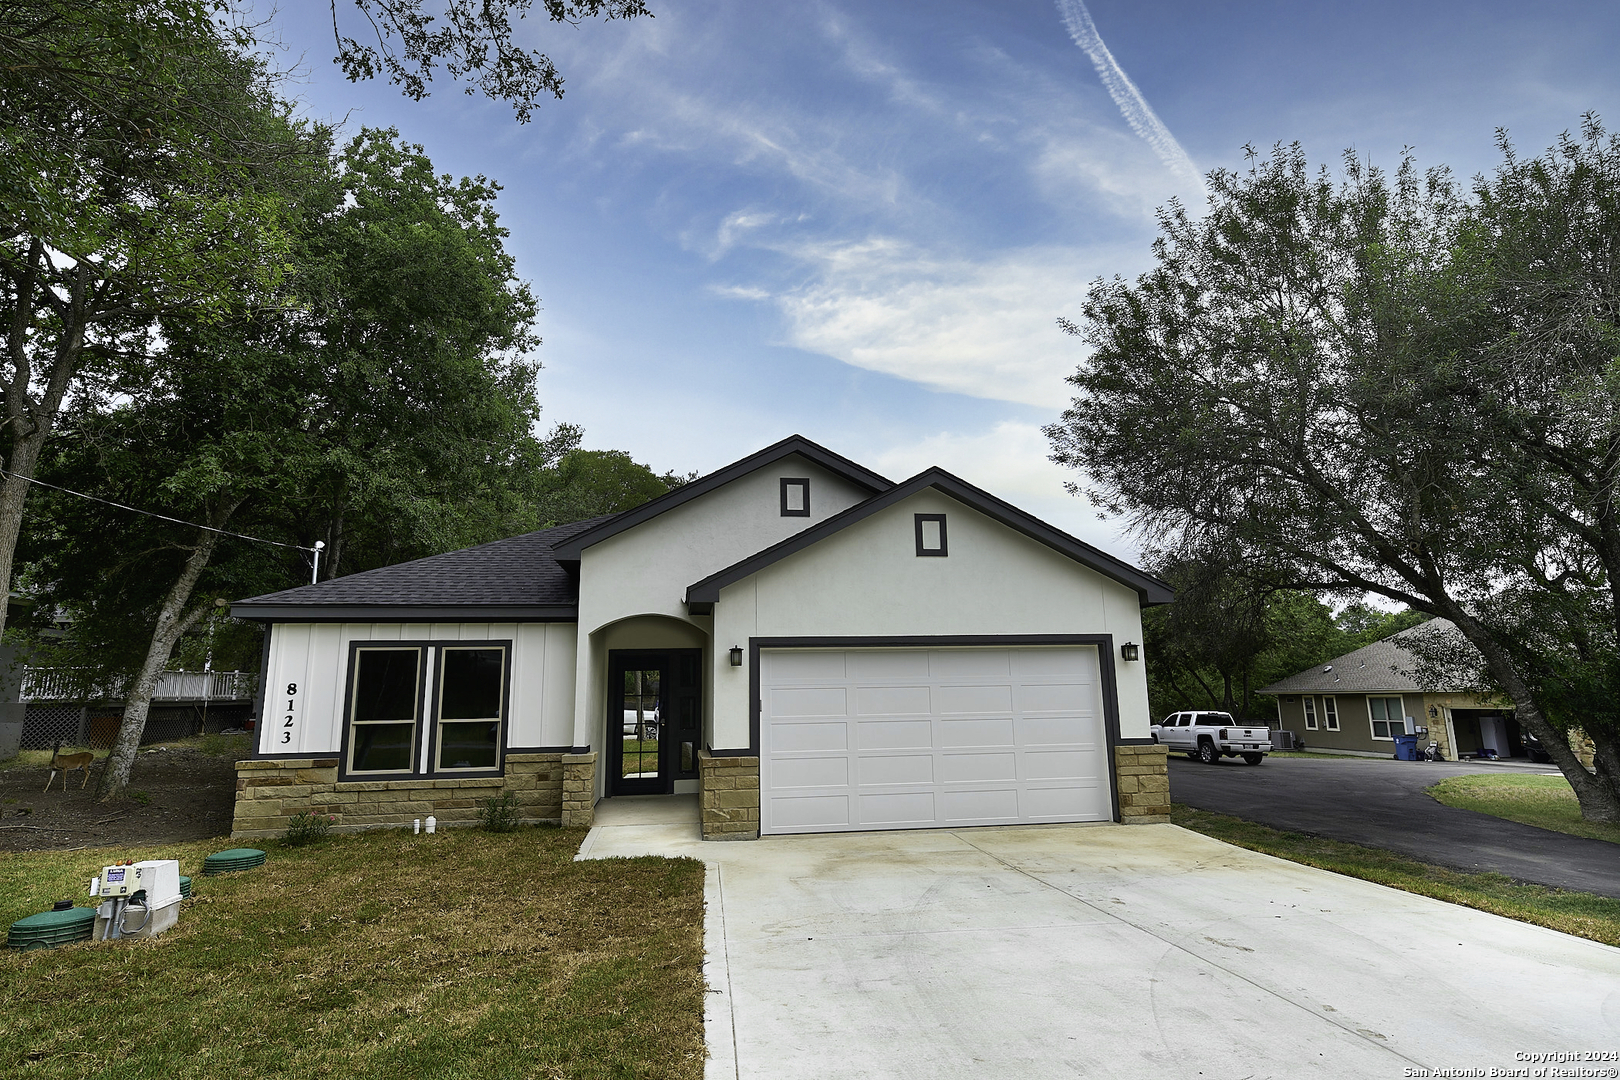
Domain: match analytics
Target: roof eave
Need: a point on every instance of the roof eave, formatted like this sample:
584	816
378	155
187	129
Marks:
405	612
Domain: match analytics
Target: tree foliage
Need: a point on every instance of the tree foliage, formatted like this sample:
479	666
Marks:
389	410
1391	385
406	40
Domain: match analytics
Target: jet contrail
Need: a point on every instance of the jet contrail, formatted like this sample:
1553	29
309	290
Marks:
1132	105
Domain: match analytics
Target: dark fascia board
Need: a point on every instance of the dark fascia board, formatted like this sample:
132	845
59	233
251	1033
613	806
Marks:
859	475
322	613
1151	590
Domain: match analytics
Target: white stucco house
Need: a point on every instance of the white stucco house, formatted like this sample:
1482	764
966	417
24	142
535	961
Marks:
806	644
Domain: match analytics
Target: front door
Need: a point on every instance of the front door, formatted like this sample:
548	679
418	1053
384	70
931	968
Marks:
655	718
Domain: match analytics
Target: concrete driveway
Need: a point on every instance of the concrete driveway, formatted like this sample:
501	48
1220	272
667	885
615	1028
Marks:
1106	951
1385	804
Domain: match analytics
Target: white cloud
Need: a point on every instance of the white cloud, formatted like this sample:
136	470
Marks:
985	328
1009	461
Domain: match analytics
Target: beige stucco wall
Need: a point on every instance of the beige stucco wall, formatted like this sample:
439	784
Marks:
315	656
645	570
869	581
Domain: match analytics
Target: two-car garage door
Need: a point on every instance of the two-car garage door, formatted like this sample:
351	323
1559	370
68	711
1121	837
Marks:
930	738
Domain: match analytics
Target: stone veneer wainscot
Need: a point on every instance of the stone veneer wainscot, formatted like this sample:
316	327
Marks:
271	790
1143	776
728	800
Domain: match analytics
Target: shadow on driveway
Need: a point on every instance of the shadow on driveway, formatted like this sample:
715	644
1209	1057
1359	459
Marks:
1384	804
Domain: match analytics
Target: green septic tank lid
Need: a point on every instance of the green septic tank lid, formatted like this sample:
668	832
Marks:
235	859
50	928
185	886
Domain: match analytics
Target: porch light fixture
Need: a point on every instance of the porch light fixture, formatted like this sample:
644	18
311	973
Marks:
1433	712
736	656
1130	651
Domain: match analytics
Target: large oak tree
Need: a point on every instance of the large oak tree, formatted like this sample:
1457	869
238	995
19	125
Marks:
1389	385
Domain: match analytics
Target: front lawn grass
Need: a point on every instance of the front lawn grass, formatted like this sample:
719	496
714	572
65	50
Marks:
382	954
1582	914
1547	802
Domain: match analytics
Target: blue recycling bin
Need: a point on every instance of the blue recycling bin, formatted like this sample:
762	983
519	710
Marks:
1406	748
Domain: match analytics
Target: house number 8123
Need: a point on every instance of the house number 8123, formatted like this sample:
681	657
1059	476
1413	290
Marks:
287	721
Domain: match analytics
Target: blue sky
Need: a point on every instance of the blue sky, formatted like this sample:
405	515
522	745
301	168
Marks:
860	221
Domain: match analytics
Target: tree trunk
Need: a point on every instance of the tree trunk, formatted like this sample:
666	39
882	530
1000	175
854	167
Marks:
1596	793
31	421
173	620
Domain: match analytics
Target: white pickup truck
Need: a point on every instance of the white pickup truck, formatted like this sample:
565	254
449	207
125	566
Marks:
1210	736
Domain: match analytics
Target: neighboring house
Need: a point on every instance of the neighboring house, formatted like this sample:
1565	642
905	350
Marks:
806	644
1360	701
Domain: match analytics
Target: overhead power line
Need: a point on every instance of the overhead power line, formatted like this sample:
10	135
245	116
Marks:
160	517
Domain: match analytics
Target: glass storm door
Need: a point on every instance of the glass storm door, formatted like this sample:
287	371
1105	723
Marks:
655	702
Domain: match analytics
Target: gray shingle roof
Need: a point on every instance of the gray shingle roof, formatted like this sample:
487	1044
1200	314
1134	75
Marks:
1380	666
517	574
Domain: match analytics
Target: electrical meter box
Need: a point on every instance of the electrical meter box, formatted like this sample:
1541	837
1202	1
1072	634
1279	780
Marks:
158	879
119	881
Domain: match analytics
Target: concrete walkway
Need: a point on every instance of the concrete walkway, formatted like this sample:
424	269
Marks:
1385	804
1103	951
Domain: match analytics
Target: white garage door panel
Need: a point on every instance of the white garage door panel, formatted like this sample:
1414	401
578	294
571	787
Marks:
905	738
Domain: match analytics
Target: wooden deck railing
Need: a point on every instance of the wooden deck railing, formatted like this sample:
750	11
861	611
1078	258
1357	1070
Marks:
68	684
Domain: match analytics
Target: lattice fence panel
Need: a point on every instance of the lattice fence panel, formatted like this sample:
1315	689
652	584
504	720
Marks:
45	725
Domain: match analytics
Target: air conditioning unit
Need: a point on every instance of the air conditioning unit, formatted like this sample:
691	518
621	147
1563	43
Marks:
1282	739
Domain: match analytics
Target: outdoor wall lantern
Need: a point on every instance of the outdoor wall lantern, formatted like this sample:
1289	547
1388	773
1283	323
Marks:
736	656
1433	712
1130	651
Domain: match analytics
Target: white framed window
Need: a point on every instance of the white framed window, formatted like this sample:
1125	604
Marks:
1330	714
1388	717
1310	714
425	708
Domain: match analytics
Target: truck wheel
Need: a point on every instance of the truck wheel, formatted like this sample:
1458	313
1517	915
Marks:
1207	753
1254	759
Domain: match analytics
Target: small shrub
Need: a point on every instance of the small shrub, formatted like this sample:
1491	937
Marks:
142	797
499	813
307	828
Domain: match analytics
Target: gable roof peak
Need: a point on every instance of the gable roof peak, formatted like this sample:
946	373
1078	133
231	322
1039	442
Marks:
837	464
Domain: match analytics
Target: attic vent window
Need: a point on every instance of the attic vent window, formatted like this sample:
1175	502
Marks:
931	534
795	496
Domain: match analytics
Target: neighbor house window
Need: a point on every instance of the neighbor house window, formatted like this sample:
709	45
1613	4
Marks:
1310	714
386	701
795	496
1330	714
456	726
470	687
931	534
1388	717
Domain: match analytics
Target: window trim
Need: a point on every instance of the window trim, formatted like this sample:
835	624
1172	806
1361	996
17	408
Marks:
1309	707
944	544
438	720
1330	713
426	722
1373	731
792	481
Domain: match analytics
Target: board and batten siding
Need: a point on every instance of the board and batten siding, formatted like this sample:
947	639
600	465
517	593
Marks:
868	581
315	656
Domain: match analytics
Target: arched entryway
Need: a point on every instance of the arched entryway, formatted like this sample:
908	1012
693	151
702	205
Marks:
654	705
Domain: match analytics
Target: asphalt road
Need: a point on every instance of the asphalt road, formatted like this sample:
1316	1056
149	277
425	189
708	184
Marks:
1383	804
